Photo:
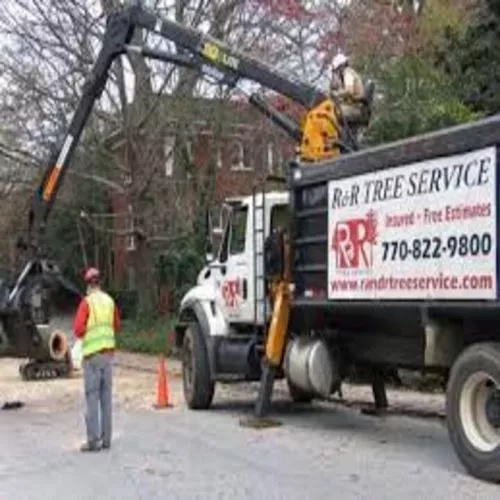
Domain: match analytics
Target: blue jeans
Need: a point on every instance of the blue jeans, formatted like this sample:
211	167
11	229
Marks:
98	378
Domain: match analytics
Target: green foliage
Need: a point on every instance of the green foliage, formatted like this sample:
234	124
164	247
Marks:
63	242
76	195
440	20
127	301
417	98
472	60
178	268
146	336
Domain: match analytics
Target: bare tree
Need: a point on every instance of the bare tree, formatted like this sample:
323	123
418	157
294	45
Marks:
48	50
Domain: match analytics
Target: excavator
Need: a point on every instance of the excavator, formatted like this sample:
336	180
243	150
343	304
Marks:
26	307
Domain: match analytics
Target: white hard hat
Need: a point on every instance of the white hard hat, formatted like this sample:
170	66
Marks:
339	60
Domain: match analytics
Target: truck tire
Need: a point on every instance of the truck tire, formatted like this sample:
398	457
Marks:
298	395
473	410
197	384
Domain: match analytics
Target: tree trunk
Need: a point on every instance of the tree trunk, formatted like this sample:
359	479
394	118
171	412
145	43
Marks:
145	280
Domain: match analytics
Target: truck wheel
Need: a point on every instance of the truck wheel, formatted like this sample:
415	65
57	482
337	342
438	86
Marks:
197	383
473	410
298	395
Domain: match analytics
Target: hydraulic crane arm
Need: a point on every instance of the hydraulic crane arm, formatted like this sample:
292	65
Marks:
119	32
321	130
215	53
199	50
21	304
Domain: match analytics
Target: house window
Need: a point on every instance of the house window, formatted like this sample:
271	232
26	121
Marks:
280	161
218	157
186	156
169	156
127	180
240	156
189	149
270	157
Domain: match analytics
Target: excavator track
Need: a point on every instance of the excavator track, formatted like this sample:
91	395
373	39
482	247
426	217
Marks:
44	370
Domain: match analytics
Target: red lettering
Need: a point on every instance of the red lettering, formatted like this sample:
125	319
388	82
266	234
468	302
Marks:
230	292
353	241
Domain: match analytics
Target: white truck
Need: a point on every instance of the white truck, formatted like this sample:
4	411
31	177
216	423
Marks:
388	259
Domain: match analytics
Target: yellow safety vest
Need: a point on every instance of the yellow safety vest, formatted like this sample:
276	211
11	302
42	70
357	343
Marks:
100	333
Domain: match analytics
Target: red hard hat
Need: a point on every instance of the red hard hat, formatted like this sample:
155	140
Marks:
91	273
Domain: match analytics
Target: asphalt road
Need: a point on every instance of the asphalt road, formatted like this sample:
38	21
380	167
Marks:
323	451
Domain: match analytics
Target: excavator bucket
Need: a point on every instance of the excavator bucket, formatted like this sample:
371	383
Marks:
35	317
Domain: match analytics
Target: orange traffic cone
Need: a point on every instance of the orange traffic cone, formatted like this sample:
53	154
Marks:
162	388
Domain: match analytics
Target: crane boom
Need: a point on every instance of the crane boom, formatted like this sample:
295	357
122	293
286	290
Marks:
214	52
22	306
203	50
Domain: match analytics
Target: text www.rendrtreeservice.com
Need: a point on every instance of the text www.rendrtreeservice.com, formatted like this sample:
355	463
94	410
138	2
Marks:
439	282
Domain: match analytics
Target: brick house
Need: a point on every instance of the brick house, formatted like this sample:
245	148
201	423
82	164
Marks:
238	143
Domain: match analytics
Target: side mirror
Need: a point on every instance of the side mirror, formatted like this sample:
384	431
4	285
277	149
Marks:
208	237
213	242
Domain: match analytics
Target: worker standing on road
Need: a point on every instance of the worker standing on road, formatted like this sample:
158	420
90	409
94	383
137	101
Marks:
96	322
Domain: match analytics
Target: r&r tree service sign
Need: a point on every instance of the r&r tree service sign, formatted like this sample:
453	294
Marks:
422	231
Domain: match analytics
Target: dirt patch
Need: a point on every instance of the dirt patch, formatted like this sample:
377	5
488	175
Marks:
36	395
134	387
401	400
137	389
148	363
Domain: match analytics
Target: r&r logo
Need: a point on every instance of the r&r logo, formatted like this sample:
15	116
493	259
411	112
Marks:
231	292
353	241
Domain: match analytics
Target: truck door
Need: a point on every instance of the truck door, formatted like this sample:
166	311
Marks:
235	286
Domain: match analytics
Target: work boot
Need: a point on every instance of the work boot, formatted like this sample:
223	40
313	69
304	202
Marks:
89	447
104	443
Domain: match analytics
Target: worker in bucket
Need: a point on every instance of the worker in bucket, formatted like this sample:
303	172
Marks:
346	83
96	322
350	95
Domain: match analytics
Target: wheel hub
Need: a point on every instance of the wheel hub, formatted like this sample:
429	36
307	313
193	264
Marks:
493	407
480	411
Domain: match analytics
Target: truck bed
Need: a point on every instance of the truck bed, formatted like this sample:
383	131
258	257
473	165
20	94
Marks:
357	266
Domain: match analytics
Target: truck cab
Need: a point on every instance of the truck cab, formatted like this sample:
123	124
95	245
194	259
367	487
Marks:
227	310
233	278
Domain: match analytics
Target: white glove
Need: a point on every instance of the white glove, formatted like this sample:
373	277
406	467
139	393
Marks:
76	355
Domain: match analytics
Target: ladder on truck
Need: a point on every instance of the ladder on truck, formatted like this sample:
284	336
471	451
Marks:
259	278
